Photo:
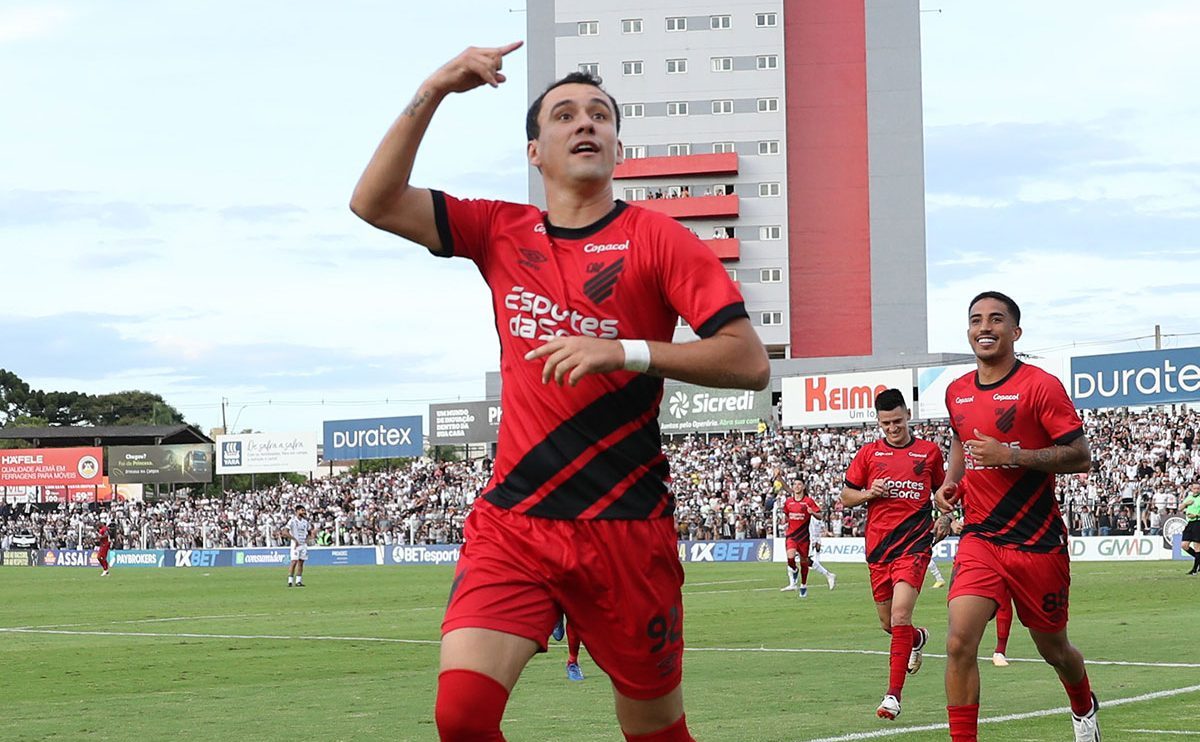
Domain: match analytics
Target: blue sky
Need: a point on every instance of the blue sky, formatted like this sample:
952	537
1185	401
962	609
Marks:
174	180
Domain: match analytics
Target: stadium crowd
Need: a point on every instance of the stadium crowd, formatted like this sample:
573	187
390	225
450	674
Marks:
726	486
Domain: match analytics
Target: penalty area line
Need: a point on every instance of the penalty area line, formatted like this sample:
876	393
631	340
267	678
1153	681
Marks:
191	635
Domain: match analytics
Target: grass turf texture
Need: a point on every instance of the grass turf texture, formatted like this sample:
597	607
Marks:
164	684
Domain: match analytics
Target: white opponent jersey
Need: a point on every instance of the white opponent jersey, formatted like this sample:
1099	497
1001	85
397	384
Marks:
298	528
816	529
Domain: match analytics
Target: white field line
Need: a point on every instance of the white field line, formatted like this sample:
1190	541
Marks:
688	593
1162	731
719	582
191	635
1106	703
147	620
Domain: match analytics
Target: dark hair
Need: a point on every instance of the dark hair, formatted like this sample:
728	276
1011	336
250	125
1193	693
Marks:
533	129
1004	299
889	399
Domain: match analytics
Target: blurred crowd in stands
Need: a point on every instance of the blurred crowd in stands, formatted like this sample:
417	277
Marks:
726	486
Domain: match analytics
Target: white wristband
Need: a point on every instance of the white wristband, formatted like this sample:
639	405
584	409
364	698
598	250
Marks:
637	355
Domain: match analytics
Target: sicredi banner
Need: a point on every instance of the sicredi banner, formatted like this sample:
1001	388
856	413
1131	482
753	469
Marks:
931	390
373	438
839	399
266	453
464	422
687	408
1148	377
38	467
160	464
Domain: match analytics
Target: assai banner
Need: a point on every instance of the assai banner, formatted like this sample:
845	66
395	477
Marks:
464	422
687	408
266	453
745	550
839	399
373	438
70	558
1148	377
37	467
160	464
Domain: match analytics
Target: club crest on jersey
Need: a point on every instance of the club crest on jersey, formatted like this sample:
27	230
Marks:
600	286
1006	418
918	467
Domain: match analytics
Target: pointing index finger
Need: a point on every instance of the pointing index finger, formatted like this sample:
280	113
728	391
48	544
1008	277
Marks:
507	48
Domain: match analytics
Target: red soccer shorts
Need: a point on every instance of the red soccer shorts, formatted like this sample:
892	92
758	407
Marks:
800	546
909	568
1040	584
618	581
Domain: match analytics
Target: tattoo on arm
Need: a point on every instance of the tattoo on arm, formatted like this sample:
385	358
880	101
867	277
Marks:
417	101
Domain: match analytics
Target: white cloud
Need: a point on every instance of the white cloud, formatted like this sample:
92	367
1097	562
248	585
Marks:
31	21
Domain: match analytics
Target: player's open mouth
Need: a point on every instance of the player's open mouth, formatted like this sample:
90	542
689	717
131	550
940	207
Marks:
585	148
987	341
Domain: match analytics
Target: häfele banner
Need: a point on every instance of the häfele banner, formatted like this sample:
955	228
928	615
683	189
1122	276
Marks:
40	467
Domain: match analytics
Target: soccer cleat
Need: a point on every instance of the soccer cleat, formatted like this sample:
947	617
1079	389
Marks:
914	658
832	580
574	672
889	708
1087	728
802	591
560	630
939	583
789	587
289	584
104	573
299	584
999	660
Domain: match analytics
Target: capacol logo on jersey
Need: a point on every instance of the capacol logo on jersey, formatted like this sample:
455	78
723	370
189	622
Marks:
839	398
1147	377
373	438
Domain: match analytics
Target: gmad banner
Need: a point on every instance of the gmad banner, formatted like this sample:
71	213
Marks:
1149	377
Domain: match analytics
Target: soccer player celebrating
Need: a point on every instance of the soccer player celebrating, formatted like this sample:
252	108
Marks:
798	510
104	543
577	516
1014	428
896	476
298	530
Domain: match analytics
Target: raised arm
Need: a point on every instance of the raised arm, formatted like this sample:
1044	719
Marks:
383	196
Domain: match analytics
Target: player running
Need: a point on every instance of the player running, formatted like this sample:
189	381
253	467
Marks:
945	525
896	476
816	531
299	530
577	516
103	545
1014	428
798	511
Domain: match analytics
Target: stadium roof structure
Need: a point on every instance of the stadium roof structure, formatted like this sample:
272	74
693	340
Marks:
59	436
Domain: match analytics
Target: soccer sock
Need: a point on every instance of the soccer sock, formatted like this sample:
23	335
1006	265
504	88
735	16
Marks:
964	723
572	646
469	707
1003	628
1195	560
902	645
290	579
1080	694
792	571
677	732
937	573
103	563
804	572
816	563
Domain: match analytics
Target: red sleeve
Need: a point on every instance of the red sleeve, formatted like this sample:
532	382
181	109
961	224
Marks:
1056	412
464	226
937	467
856	475
946	401
693	280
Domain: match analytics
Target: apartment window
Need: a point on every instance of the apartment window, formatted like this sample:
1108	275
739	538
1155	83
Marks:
768	105
589	28
634	151
722	147
635	194
731	273
765	20
676	66
677	108
631	25
774	232
632	67
722	64
772	318
770	275
768	190
674	150
677	24
769	147
767	61
719	22
722	106
590	68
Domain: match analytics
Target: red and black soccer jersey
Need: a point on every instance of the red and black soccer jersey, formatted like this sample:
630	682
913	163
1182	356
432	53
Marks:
104	541
798	514
1009	505
593	450
901	523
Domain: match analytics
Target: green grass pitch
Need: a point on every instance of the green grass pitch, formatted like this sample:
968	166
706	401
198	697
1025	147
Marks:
232	654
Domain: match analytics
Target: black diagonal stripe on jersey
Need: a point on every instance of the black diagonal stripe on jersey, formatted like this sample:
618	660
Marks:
641	499
907	534
1037	530
1006	510
599	287
597	477
573	436
1007	418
